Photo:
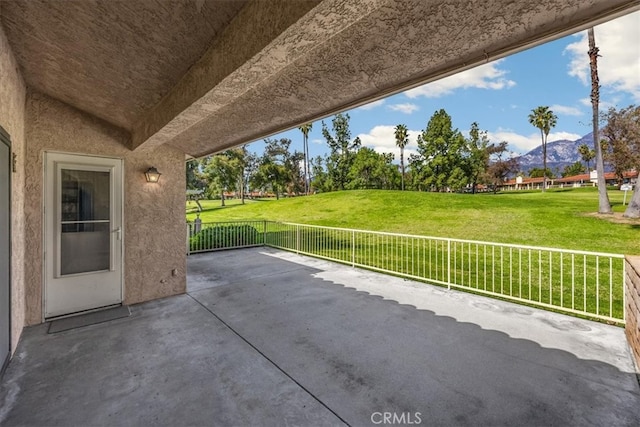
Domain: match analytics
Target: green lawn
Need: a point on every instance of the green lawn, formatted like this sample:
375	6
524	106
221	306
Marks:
557	218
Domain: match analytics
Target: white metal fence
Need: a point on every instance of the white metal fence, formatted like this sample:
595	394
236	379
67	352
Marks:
207	237
576	282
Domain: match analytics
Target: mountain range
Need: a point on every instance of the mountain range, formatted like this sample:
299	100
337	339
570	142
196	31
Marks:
560	153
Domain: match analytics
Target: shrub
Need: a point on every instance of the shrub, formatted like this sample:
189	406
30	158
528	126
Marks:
225	236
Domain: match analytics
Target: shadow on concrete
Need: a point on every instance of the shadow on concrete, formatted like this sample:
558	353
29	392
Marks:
360	354
273	342
171	363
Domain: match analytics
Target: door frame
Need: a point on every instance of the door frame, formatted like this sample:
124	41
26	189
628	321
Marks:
5	139
120	212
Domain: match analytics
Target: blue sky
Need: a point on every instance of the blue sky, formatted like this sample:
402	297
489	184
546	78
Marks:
500	95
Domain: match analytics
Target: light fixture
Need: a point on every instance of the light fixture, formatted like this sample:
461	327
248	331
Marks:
152	175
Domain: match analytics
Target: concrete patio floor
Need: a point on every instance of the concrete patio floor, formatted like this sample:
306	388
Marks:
266	337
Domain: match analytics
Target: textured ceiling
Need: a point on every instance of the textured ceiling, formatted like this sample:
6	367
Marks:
207	75
113	58
344	54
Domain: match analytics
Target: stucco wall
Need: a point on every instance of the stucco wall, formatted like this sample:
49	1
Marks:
632	309
154	224
12	112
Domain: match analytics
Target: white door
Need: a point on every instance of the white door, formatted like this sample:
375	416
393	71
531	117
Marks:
83	233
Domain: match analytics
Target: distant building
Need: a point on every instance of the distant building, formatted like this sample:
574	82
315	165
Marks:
582	180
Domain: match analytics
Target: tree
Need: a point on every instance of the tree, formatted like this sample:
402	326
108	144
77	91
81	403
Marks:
621	135
500	167
195	182
441	152
279	168
251	164
373	170
604	207
633	209
622	141
223	171
574	169
305	129
343	150
586	154
242	158
320	178
402	138
416	171
479	153
544	119
539	173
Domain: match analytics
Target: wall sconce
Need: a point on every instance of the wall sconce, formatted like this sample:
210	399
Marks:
152	175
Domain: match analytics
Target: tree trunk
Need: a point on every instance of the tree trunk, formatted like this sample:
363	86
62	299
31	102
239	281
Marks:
604	207
633	209
544	164
306	171
222	198
402	166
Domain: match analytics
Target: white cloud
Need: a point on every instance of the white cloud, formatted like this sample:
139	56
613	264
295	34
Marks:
382	139
619	61
486	76
318	141
371	105
555	136
524	143
602	105
586	102
406	108
566	110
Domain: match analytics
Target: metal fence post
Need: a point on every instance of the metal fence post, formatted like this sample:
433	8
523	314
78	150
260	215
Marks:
297	239
449	264
353	248
264	233
624	290
188	239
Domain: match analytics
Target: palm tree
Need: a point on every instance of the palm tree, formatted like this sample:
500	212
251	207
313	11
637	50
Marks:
544	119
604	206
586	154
402	138
305	129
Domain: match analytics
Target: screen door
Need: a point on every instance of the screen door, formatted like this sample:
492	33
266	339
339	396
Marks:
83	233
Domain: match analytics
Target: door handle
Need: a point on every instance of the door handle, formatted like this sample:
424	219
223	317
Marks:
119	231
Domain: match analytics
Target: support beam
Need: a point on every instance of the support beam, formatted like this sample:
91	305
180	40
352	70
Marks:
242	57
339	56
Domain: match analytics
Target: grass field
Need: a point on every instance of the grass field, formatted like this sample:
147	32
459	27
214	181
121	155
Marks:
557	218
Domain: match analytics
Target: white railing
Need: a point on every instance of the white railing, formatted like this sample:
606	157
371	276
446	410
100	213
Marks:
576	282
207	237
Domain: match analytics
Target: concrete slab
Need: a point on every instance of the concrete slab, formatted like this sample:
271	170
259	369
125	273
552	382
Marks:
271	338
171	363
212	269
365	343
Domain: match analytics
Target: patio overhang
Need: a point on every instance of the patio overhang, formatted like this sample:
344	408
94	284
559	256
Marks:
204	76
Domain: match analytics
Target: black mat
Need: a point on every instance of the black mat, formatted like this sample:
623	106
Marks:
88	319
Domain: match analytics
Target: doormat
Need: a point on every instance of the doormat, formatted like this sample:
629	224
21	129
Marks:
89	319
